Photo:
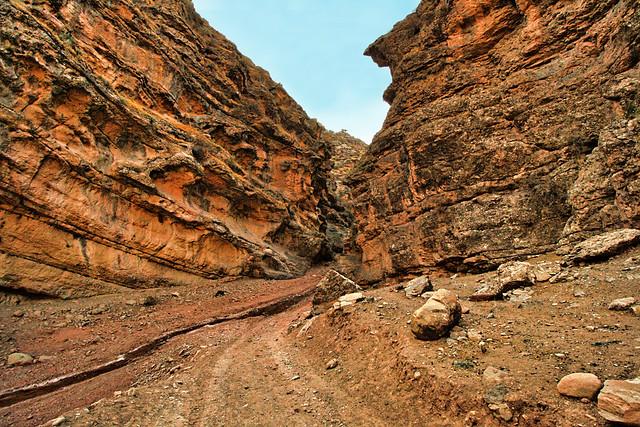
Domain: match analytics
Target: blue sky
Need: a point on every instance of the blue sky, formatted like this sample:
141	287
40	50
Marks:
314	48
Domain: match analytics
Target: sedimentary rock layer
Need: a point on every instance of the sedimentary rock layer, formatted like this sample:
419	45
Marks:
513	126
139	148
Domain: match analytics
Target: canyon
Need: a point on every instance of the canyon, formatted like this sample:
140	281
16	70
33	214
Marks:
170	219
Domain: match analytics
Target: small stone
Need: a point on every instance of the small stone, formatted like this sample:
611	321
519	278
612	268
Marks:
483	346
295	378
580	385
58	421
465	309
636	310
579	294
43	359
18	313
130	302
502	411
332	364
622	304
417	375
474	335
19	359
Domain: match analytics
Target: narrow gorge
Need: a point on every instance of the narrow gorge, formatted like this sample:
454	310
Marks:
181	244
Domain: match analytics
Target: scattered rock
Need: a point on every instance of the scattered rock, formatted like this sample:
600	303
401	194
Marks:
622	304
519	295
619	402
579	293
510	276
494	376
496	394
98	310
19	359
351	299
18	313
580	385
603	246
636	310
43	359
332	286
149	301
437	316
220	293
502	411
474	335
58	421
332	364
545	271
418	286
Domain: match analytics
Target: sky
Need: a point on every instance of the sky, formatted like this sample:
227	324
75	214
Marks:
315	49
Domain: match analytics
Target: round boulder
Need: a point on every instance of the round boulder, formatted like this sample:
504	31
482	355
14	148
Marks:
580	385
437	316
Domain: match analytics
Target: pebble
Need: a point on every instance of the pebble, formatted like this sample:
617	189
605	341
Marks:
332	364
295	378
580	385
59	421
18	313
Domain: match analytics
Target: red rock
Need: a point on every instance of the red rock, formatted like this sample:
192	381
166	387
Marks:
619	402
139	148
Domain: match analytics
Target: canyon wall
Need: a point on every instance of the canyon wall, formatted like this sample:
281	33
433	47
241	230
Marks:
139	148
513	131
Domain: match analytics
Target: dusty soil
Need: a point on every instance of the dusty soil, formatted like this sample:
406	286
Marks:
271	370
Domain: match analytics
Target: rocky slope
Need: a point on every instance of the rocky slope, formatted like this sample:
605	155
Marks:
513	129
139	148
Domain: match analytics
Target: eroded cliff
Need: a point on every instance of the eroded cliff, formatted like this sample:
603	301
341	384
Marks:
139	148
513	128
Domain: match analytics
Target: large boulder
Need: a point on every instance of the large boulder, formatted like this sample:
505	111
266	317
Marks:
332	286
603	246
510	276
619	402
437	316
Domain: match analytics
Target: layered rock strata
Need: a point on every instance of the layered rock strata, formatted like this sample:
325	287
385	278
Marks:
513	128
139	148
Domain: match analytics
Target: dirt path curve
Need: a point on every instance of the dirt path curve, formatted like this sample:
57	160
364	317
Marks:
247	373
39	402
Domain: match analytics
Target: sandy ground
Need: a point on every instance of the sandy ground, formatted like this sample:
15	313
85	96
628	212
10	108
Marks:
272	370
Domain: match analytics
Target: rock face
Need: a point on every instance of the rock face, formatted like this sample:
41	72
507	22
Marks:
513	128
437	316
619	402
139	148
